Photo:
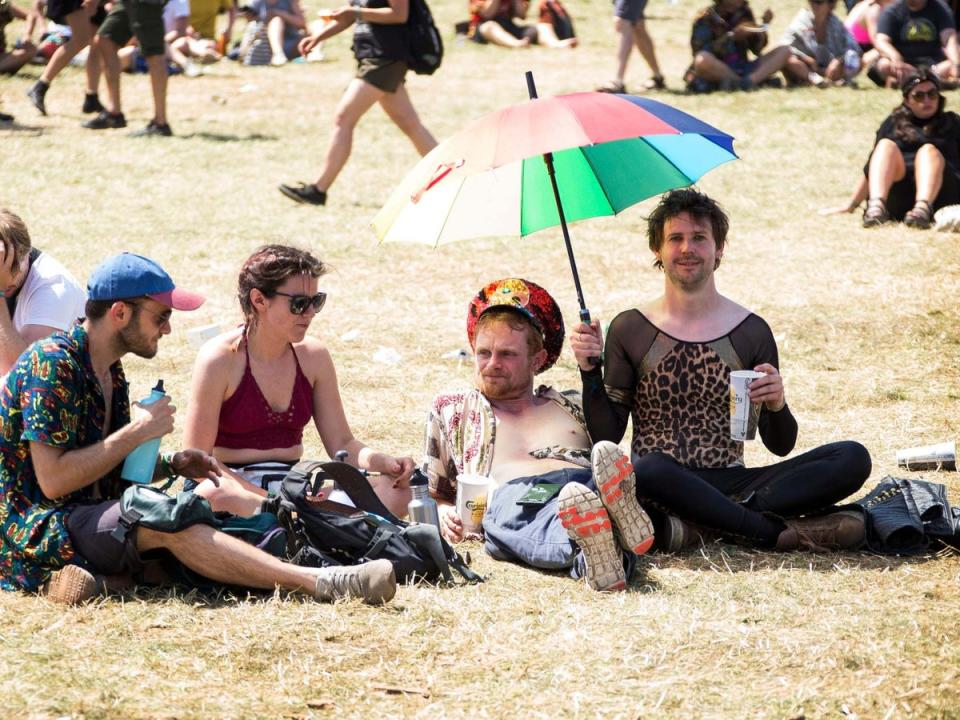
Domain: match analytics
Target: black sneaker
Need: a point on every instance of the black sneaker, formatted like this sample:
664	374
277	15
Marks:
303	193
106	121
37	93
4	118
91	104
153	129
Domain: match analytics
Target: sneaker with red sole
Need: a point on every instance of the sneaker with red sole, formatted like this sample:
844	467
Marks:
588	524
616	483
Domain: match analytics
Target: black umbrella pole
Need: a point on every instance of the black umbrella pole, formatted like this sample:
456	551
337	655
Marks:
584	313
548	159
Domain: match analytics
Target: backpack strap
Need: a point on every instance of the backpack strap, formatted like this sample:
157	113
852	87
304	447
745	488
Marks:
358	489
128	521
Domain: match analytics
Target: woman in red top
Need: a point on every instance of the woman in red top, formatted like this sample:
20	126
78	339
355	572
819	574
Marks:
255	388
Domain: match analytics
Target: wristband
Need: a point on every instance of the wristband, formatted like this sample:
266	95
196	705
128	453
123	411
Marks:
166	464
356	13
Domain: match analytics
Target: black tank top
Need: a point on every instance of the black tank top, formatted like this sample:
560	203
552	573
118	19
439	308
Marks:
377	40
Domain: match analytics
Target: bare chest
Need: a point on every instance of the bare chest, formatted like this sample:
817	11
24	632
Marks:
541	427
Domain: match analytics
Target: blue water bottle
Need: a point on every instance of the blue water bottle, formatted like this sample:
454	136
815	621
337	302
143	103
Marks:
140	464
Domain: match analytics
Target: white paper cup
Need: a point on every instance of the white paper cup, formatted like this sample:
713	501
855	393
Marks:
942	456
743	413
199	335
472	493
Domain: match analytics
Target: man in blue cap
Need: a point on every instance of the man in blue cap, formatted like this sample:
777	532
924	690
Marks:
65	428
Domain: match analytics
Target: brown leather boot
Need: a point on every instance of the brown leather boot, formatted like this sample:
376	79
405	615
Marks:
844	530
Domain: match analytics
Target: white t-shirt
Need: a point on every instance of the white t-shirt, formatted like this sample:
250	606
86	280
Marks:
49	296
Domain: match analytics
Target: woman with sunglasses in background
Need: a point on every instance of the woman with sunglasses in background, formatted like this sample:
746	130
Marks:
256	388
914	168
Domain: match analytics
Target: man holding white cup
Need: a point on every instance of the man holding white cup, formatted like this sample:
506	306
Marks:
518	461
668	365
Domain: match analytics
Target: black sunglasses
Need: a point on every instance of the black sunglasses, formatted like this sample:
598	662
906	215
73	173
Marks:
300	303
920	95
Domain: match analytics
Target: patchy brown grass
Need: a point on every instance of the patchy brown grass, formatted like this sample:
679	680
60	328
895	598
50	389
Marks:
867	324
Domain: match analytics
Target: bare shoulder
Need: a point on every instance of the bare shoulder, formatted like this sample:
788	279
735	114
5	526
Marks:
314	357
221	354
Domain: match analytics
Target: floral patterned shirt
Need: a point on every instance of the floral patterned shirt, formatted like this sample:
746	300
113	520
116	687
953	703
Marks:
50	396
461	431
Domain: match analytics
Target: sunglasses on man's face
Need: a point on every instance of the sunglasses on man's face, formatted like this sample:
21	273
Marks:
921	95
300	303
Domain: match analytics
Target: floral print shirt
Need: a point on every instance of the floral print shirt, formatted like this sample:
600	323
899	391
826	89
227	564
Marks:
462	430
51	396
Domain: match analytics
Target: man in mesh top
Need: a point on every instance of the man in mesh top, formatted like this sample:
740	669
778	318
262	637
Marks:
667	365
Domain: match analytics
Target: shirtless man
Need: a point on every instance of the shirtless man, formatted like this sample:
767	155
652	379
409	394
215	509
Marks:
668	365
521	438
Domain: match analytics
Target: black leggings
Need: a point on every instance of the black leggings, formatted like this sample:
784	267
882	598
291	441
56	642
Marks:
749	501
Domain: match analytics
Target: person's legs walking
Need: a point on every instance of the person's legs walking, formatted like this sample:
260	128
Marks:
80	33
399	108
645	47
358	98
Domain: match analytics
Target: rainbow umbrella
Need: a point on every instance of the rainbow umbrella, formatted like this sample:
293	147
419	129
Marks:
547	162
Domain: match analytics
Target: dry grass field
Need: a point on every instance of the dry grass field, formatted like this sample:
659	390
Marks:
867	324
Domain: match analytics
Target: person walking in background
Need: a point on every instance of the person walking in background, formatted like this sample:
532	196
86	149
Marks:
83	17
143	19
379	45
631	28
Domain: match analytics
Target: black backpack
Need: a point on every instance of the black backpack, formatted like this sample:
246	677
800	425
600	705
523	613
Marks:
424	44
321	533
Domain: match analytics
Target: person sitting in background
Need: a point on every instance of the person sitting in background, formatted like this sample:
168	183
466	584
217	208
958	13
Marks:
494	22
39	295
22	53
257	387
823	52
861	21
917	33
914	168
723	38
203	21
285	25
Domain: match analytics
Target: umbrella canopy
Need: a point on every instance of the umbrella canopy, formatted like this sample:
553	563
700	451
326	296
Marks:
490	179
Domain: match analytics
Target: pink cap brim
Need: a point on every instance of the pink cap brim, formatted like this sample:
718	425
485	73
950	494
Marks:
179	299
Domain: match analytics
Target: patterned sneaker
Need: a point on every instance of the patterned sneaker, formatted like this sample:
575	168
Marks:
613	474
374	582
588	524
71	585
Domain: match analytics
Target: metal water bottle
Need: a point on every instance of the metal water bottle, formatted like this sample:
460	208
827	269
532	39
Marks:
140	464
422	507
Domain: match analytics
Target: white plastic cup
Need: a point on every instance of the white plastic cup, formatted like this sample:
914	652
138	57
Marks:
199	335
942	456
743	413
472	491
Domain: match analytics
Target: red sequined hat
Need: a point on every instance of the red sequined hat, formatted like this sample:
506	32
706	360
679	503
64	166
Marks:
530	300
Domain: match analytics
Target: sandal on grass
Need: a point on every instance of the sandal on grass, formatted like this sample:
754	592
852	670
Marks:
614	86
920	217
655	83
876	213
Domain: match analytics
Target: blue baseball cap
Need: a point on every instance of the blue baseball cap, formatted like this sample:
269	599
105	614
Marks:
128	276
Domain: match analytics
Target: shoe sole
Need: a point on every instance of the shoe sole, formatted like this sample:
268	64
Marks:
613	474
588	524
291	193
71	585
